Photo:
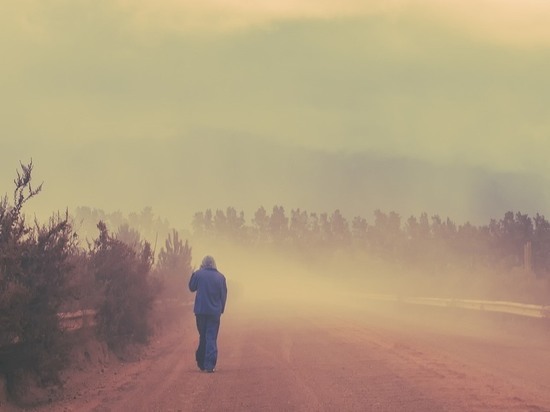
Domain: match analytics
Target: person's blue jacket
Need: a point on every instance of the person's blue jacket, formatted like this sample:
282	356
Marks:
211	291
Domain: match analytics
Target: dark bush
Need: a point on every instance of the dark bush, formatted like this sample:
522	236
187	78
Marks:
34	275
122	273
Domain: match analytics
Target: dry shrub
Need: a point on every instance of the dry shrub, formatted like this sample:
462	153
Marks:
122	273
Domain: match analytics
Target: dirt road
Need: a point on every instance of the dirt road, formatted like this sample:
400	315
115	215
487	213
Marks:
326	359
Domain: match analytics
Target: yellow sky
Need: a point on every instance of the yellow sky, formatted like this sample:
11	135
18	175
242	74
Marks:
519	22
451	83
513	21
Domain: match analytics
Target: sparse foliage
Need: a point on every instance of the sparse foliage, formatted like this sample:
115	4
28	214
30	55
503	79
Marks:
175	256
35	271
174	265
122	273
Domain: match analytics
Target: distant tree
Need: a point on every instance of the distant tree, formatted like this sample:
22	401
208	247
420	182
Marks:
198	224
339	229
260	224
444	234
386	235
470	246
298	227
128	235
416	241
325	229
174	265
359	230
511	233
541	245
175	256
278	224
314	227
220	223
85	220
208	222
145	223
234	223
424	229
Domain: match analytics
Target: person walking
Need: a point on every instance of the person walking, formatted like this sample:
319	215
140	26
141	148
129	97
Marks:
211	294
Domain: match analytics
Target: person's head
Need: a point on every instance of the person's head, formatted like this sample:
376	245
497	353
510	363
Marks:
208	262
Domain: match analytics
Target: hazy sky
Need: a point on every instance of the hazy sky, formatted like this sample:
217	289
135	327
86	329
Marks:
455	84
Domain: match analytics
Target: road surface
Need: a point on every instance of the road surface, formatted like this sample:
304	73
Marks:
333	358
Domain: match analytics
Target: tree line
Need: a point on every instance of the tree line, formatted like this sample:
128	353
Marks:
429	242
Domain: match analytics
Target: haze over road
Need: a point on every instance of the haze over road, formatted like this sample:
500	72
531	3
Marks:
334	358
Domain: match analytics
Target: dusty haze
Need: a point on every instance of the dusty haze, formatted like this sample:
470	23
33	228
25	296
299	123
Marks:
267	279
179	177
414	106
406	105
410	106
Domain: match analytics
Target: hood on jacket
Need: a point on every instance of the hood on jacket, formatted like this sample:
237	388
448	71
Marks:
208	262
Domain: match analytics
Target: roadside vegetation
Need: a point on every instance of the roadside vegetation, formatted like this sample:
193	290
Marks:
45	271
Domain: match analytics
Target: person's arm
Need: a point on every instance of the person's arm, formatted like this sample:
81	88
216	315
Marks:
224	294
193	282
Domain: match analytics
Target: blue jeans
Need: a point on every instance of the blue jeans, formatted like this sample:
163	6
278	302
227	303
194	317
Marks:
207	352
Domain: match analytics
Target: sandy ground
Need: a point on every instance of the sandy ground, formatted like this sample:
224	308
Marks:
329	359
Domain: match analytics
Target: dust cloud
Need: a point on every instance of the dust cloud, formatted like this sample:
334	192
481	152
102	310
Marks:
245	173
269	280
271	286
